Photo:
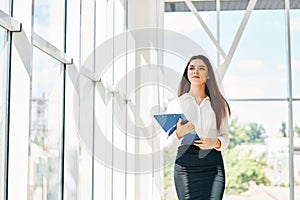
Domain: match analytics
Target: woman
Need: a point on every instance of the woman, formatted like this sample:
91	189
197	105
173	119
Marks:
199	169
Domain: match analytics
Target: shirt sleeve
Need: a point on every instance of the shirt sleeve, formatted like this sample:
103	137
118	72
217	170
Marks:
172	142
224	134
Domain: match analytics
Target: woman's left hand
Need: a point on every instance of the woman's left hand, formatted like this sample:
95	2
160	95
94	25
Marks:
208	143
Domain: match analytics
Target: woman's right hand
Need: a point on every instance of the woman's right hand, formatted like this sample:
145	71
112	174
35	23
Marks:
183	129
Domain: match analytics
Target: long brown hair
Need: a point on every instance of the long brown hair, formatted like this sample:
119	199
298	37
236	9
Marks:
218	102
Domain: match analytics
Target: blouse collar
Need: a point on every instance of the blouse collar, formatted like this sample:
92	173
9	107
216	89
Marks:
187	95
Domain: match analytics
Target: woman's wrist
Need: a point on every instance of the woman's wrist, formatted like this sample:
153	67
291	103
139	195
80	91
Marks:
218	144
178	135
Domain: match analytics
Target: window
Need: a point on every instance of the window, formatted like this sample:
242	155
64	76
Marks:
255	129
258	67
295	39
46	128
296	106
257	70
49	21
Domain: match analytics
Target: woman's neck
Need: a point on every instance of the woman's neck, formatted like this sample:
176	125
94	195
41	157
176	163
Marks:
198	91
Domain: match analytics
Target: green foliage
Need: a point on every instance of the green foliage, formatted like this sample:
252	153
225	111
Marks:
39	139
237	133
248	133
297	131
168	171
282	130
255	132
241	169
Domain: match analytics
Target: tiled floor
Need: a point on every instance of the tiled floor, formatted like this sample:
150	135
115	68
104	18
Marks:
265	193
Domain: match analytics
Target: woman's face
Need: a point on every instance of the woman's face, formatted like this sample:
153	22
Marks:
197	72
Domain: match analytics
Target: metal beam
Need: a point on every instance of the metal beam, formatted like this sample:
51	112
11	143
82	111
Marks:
257	99
51	50
88	74
290	101
7	22
205	27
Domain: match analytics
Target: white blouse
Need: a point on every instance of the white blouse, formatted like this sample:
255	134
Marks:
202	116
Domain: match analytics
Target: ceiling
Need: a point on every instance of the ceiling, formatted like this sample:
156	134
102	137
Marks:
210	5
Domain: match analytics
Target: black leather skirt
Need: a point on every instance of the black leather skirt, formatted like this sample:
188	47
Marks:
199	174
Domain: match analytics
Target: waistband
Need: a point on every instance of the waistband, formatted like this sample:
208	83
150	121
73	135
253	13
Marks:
193	155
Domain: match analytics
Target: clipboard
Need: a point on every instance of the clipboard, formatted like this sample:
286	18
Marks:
168	122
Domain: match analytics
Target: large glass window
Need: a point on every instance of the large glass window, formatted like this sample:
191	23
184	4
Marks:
87	174
46	128
4	6
258	154
49	21
296	121
295	39
258	67
187	24
257	70
295	57
73	156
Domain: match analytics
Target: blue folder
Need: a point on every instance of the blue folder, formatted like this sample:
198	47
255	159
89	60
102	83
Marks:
168	122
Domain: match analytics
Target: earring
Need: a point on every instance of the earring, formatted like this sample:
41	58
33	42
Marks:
208	77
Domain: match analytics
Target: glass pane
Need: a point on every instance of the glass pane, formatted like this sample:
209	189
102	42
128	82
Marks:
46	128
4	6
229	24
258	66
253	166
295	39
87	30
78	161
3	86
193	29
296	106
119	123
104	9
49	21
